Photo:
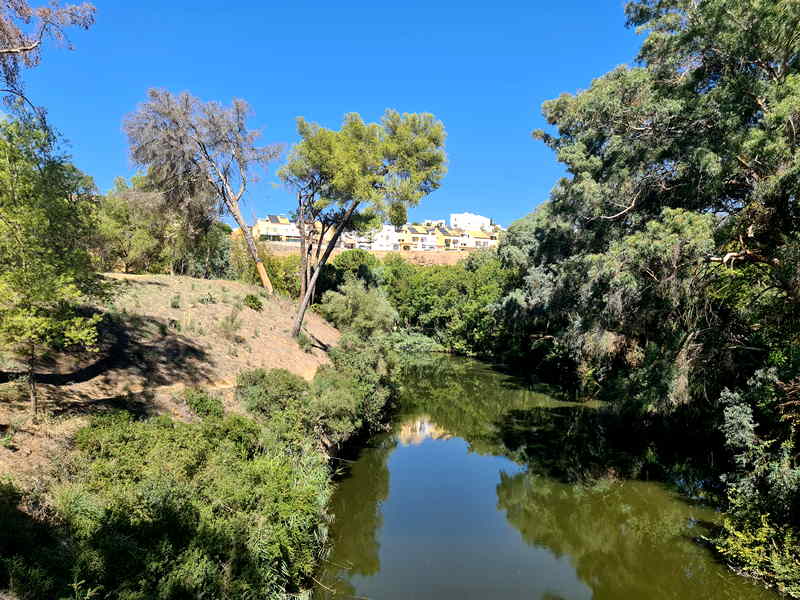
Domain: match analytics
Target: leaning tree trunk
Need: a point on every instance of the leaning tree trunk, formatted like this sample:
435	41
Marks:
251	247
304	249
306	300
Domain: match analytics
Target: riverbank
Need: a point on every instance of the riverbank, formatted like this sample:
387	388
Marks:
160	335
216	491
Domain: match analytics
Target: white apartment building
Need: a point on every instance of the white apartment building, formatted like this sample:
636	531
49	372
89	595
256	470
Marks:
470	222
385	238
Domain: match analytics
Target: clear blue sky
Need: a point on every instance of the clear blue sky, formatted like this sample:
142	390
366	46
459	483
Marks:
482	68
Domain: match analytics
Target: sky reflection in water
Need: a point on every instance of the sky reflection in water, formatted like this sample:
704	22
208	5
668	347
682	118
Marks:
437	509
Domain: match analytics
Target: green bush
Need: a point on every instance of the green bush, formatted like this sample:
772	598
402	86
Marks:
202	403
357	308
24	569
350	395
175	302
254	302
357	263
264	391
763	550
413	342
306	343
162	509
362	376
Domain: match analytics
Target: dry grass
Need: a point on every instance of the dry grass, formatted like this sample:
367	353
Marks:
153	346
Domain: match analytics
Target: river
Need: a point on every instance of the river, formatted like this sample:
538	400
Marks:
472	496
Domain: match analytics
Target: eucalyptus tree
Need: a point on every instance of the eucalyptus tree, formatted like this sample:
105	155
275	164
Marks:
362	172
193	148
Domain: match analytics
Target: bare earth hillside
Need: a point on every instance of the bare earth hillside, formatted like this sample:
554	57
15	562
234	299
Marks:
160	334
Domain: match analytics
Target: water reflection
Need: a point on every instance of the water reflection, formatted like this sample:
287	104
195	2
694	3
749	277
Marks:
473	495
628	539
414	431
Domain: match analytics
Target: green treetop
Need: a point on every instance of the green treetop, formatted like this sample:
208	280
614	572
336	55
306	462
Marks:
346	178
45	270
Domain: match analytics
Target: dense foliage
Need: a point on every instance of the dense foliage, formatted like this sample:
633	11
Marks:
138	232
357	308
203	403
227	506
663	275
161	509
46	216
347	397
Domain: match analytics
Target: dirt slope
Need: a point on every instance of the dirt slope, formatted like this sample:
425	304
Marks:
161	334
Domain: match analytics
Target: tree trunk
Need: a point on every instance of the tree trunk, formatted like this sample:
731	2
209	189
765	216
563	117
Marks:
301	310
32	392
251	247
301	226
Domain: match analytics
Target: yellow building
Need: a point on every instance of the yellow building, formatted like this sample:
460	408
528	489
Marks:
415	237
448	239
275	228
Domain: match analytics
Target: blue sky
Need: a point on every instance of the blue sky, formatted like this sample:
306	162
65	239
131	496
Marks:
482	68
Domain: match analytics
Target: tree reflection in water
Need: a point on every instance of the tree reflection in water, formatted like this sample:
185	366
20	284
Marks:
576	497
355	540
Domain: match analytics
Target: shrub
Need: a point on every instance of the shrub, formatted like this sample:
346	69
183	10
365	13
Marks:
364	311
162	509
360	383
306	343
413	342
265	391
207	299
202	403
176	301
253	302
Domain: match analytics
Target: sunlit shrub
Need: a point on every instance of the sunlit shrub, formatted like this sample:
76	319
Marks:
264	391
162	509
202	403
357	308
253	302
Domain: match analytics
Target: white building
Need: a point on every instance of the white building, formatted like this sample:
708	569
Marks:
470	222
385	238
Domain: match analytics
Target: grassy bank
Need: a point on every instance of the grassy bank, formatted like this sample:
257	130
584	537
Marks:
211	492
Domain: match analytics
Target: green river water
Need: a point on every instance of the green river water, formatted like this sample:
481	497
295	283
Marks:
469	497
